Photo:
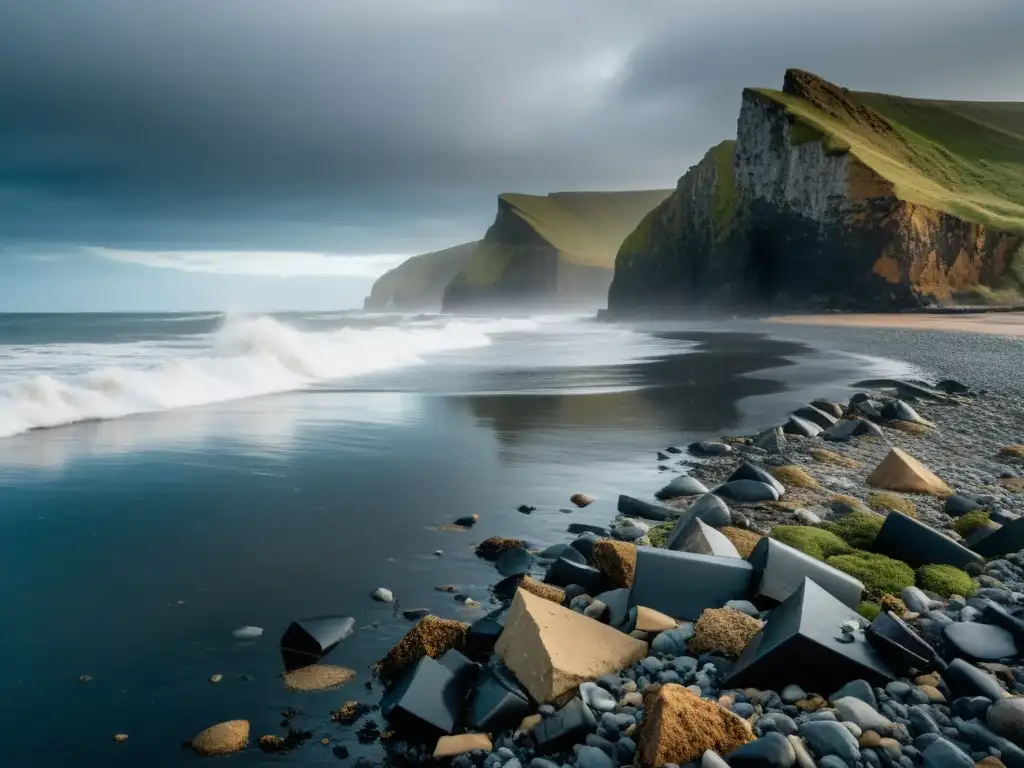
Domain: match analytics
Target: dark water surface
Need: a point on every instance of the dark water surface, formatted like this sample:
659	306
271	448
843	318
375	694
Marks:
131	548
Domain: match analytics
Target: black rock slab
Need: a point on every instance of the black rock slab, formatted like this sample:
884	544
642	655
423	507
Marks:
957	505
917	544
484	632
815	416
747	491
315	638
701	539
458	664
963	679
617	601
901	647
564	572
780	570
499	702
802	643
748	471
637	508
514	562
428	699
682	584
1009	538
568	726
578	528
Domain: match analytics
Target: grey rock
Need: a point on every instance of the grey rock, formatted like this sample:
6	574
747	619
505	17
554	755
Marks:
710	448
979	642
863	714
748	471
514	562
771	440
597	698
921	720
711	759
596	610
942	753
684	485
806	517
628	532
1006	718
743	708
672	642
976	733
772	750
383	595
816	416
898	688
830	738
797	426
860	689
916	600
747	491
957	505
592	757
792	694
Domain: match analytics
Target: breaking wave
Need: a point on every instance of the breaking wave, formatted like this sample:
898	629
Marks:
245	357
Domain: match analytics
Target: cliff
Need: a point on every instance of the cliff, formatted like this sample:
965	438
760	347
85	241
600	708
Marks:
549	250
419	283
838	199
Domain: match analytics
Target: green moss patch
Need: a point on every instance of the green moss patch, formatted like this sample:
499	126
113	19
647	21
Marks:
859	530
880	574
869	610
945	580
658	534
794	476
817	543
892	502
971	522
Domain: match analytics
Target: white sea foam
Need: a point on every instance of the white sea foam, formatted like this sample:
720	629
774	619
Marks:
246	357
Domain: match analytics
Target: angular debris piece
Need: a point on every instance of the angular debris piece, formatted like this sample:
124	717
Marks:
678	727
701	539
900	646
899	471
429	697
916	544
780	570
465	671
802	643
551	649
314	638
797	426
483	633
566	727
616	560
815	416
747	491
430	637
682	584
684	485
617	602
748	471
564	572
1003	541
771	440
450	746
650	620
709	508
847	429
498	700
636	508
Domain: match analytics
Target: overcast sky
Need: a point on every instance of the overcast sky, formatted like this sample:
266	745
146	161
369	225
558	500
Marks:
382	127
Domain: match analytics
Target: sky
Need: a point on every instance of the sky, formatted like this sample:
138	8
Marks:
272	154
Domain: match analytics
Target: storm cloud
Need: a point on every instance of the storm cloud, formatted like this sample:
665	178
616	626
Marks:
393	123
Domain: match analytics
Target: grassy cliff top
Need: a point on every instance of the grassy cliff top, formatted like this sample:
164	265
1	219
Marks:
958	157
587	227
420	278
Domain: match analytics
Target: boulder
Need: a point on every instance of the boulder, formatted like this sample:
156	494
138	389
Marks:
432	636
1009	538
724	631
632	507
701	539
853	710
899	645
551	649
429	697
979	642
684	485
747	491
899	471
708	508
847	429
564	572
499	702
678	727
834	409
966	680
780	570
616	560
942	753
897	410
682	584
815	416
317	677
772	750
222	738
803	643
569	725
483	633
1006	718
710	448
915	543
826	737
771	440
802	427
514	562
450	746
748	471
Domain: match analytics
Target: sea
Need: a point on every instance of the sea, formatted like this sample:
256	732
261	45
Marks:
166	479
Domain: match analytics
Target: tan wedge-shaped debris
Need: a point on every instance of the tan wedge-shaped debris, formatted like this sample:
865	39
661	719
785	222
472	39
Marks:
899	471
551	650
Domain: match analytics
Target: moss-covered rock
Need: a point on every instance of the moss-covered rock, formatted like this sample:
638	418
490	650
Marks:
816	542
971	522
859	530
946	580
742	539
723	630
658	534
794	477
880	574
893	603
869	610
891	502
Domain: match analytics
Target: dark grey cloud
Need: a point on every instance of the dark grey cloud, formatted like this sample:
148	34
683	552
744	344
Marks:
370	115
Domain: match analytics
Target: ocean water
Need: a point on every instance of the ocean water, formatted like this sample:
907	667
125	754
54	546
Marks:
165	479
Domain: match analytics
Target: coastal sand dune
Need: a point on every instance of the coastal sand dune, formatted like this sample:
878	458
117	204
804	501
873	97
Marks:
1001	324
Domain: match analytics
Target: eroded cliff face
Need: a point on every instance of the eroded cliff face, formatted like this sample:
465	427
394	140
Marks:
808	226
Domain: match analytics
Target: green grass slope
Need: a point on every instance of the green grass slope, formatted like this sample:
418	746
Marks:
419	282
960	158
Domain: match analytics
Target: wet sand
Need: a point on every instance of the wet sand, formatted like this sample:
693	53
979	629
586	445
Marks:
1001	324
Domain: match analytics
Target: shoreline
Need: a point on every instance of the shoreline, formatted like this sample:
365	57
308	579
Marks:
1002	323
